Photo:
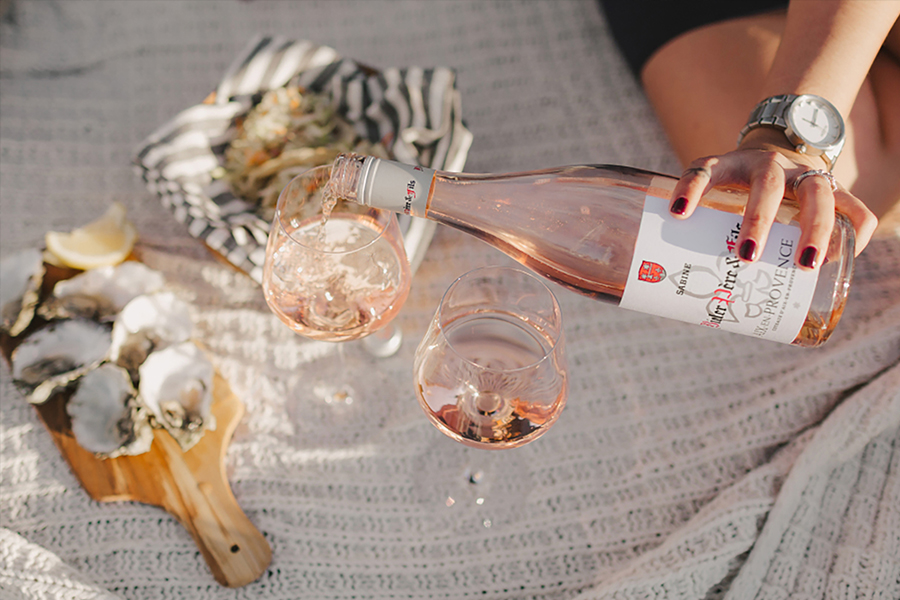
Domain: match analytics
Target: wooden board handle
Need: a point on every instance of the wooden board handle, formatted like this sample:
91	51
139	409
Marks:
192	486
236	552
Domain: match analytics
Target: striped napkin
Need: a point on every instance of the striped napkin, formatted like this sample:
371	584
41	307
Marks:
418	109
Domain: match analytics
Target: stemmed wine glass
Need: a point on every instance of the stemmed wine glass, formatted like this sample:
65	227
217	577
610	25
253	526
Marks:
490	371
335	271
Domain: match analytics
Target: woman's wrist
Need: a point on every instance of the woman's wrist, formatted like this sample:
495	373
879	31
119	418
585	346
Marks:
771	139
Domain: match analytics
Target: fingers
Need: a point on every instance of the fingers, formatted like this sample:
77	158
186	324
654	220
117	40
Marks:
863	220
819	197
816	220
767	173
696	180
767	180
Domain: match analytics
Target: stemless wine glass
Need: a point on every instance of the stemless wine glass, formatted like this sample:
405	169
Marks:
335	270
490	371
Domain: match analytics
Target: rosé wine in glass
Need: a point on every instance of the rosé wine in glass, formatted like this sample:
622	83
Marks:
491	370
335	271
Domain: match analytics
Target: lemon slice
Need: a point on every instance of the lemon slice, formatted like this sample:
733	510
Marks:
106	241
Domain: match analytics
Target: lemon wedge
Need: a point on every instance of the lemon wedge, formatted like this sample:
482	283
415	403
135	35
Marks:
106	241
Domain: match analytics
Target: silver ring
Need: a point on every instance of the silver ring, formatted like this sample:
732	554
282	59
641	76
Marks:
697	171
815	173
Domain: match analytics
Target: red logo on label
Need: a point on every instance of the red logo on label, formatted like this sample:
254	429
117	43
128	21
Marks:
651	272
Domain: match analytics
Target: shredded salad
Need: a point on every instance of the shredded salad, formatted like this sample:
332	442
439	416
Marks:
287	133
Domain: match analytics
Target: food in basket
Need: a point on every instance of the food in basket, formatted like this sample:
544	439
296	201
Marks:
287	133
116	339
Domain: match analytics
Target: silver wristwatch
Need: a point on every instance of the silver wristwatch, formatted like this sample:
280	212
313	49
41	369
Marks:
811	123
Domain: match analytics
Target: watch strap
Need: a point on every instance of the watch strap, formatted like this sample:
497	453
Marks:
768	113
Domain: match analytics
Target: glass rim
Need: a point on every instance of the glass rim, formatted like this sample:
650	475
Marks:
554	341
279	212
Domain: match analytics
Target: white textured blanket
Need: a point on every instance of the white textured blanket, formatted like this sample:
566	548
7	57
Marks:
687	464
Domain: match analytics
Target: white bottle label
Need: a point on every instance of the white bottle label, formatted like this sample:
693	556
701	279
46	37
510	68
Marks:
688	270
395	186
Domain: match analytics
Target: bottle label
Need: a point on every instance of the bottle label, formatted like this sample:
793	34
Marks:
395	186
688	270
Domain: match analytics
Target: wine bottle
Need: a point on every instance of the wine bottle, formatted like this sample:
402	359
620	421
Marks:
606	232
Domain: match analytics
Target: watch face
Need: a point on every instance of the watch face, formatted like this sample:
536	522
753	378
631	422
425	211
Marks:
816	121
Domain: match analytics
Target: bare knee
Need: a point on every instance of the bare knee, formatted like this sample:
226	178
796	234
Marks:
869	164
704	83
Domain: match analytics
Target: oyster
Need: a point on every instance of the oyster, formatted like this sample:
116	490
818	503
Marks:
102	292
147	323
22	275
106	417
55	356
176	386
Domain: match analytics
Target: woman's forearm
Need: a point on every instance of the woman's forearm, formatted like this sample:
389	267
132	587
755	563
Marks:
828	47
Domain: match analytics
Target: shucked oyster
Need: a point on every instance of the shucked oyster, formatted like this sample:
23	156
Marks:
147	323
176	386
21	274
55	356
106	418
102	292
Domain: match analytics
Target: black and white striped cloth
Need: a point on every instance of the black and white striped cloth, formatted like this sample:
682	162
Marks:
417	108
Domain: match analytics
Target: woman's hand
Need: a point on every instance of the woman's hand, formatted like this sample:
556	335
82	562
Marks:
769	166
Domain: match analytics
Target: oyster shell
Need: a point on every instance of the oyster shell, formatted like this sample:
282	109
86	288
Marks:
55	356
102	292
176	386
22	275
106	417
147	323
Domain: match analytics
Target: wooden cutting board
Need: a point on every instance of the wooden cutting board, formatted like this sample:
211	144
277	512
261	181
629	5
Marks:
192	486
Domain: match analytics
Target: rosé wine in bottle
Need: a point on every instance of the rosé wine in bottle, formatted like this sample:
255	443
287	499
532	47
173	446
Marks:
605	231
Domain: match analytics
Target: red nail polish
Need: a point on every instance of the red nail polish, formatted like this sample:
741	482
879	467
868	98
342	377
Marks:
808	257
679	206
747	250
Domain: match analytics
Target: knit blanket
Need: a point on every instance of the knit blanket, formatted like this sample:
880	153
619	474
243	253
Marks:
688	464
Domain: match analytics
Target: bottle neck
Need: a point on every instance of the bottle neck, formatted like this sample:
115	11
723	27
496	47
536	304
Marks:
345	174
382	183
